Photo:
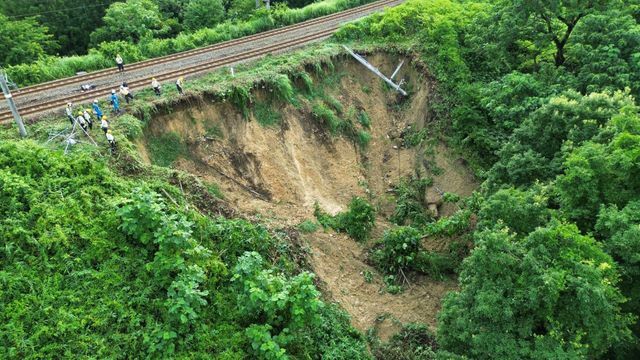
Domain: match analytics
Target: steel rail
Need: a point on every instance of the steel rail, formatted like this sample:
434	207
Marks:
85	78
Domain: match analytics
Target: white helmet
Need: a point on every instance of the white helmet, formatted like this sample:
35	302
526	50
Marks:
95	101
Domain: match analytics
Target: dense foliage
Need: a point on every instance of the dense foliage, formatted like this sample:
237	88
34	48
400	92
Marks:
136	29
97	265
542	96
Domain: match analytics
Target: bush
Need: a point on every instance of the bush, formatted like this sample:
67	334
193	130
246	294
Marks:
414	341
357	222
327	116
409	202
399	252
308	226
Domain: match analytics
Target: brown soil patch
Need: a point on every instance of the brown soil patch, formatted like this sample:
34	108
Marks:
275	175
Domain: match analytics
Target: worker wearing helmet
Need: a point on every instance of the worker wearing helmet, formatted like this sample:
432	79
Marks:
81	121
115	102
87	118
69	112
97	110
104	124
125	92
111	140
156	86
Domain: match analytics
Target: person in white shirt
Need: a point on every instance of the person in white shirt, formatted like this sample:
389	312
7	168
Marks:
120	63
156	86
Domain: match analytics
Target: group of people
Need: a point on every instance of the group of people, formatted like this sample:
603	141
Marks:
155	84
84	118
85	121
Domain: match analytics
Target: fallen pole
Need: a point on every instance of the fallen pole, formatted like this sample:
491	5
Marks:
375	70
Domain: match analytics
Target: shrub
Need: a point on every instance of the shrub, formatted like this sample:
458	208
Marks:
327	116
308	226
400	248
414	341
409	202
357	222
364	120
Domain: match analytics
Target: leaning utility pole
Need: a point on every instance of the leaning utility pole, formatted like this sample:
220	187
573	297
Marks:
12	105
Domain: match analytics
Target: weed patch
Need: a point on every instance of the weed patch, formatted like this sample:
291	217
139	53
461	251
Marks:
166	148
266	115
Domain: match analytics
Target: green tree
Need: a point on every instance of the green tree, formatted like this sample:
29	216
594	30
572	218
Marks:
597	174
69	21
534	151
520	211
130	21
23	41
555	20
605	50
549	295
203	14
619	231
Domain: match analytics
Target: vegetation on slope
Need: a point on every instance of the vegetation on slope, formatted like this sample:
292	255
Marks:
543	98
98	265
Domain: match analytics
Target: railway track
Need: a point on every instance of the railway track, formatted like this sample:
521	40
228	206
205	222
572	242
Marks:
212	64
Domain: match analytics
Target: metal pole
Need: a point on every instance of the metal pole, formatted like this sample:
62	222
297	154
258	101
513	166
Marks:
12	105
374	70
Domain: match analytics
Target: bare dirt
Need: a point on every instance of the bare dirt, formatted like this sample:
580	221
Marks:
276	174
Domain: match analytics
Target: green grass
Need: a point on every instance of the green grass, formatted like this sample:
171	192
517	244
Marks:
327	116
308	226
334	103
266	115
363	139
166	149
213	131
364	119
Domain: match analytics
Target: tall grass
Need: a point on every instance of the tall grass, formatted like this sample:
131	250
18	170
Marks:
52	68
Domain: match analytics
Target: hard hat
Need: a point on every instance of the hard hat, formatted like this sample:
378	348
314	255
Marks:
95	101
113	91
68	104
104	117
80	112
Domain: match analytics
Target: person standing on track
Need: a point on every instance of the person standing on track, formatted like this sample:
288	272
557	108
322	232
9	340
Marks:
115	102
97	110
69	112
179	84
125	92
120	63
156	86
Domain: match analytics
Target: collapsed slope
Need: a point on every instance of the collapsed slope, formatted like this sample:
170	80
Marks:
279	158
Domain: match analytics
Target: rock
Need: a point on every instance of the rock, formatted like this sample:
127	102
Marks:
432	196
433	208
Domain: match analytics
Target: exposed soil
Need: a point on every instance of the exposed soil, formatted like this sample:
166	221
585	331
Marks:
277	174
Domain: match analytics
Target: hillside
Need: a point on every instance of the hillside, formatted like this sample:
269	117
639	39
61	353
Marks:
301	208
